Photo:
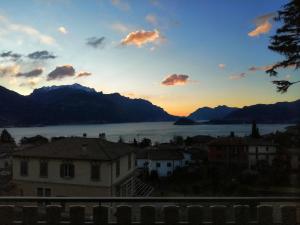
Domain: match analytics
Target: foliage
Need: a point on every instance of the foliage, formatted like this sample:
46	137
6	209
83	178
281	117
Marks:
255	130
36	140
6	137
286	42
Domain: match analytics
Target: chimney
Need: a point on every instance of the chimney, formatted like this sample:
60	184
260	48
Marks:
232	134
84	149
84	135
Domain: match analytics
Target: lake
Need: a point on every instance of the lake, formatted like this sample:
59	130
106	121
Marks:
156	131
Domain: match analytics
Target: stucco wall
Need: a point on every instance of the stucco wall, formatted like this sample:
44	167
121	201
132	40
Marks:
82	172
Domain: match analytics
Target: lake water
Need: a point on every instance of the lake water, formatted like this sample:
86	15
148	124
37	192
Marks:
156	131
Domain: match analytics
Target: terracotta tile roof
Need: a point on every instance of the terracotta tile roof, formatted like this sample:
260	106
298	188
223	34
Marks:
78	148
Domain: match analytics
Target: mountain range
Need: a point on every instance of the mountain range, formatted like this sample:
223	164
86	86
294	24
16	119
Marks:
77	104
74	104
280	112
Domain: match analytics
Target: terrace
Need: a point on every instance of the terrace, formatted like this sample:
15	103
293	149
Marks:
183	210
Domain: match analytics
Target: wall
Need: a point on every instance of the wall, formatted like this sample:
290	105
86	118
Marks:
263	154
164	169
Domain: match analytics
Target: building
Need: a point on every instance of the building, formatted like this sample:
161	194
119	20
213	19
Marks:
74	167
162	161
231	152
294	156
260	150
6	151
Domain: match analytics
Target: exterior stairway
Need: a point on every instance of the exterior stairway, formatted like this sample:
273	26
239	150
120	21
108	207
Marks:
134	187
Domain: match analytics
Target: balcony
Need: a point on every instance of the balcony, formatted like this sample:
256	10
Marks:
115	210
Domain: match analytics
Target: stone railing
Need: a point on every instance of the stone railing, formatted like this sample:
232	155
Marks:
124	211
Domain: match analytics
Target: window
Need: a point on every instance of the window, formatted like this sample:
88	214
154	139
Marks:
158	164
95	171
267	148
118	168
129	161
169	164
67	170
47	192
24	168
40	192
43	169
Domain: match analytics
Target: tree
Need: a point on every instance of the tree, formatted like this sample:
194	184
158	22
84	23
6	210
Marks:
6	137
255	130
286	42
36	140
146	142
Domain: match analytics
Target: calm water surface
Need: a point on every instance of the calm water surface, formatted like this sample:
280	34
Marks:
156	131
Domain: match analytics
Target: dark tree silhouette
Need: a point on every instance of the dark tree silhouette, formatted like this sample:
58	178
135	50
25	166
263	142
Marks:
286	42
255	130
6	137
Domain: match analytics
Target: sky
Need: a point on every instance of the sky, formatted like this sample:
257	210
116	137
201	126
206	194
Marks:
180	55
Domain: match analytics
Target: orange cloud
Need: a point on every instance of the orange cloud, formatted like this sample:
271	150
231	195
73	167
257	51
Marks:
263	25
175	79
221	65
152	19
141	37
237	76
260	68
83	74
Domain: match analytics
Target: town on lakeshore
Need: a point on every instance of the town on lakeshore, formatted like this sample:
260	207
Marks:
253	165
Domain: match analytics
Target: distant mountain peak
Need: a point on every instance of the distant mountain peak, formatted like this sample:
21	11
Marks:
74	86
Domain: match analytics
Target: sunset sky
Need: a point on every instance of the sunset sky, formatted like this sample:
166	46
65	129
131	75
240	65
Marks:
180	55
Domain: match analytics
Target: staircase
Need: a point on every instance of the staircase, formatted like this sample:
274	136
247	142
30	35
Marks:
134	187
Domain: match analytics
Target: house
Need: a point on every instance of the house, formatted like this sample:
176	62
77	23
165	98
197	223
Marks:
74	167
231	152
6	151
260	150
294	156
162	161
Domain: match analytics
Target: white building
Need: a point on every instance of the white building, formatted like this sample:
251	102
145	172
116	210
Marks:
260	150
162	161
74	167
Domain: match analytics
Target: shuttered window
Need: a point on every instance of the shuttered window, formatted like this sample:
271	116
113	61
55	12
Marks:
43	169
67	170
24	168
95	171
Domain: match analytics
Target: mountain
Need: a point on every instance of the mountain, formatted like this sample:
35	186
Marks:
74	104
281	112
207	113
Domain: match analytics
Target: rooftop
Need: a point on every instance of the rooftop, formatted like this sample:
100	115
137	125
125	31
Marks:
78	148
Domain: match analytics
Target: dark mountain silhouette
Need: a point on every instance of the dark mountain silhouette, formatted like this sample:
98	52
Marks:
74	104
281	112
207	113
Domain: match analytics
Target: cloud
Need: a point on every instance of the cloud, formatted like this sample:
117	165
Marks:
152	19
31	82
263	25
10	55
260	68
8	26
120	27
62	30
33	73
221	66
83	74
121	4
175	79
237	76
61	72
95	42
141	37
7	70
41	55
